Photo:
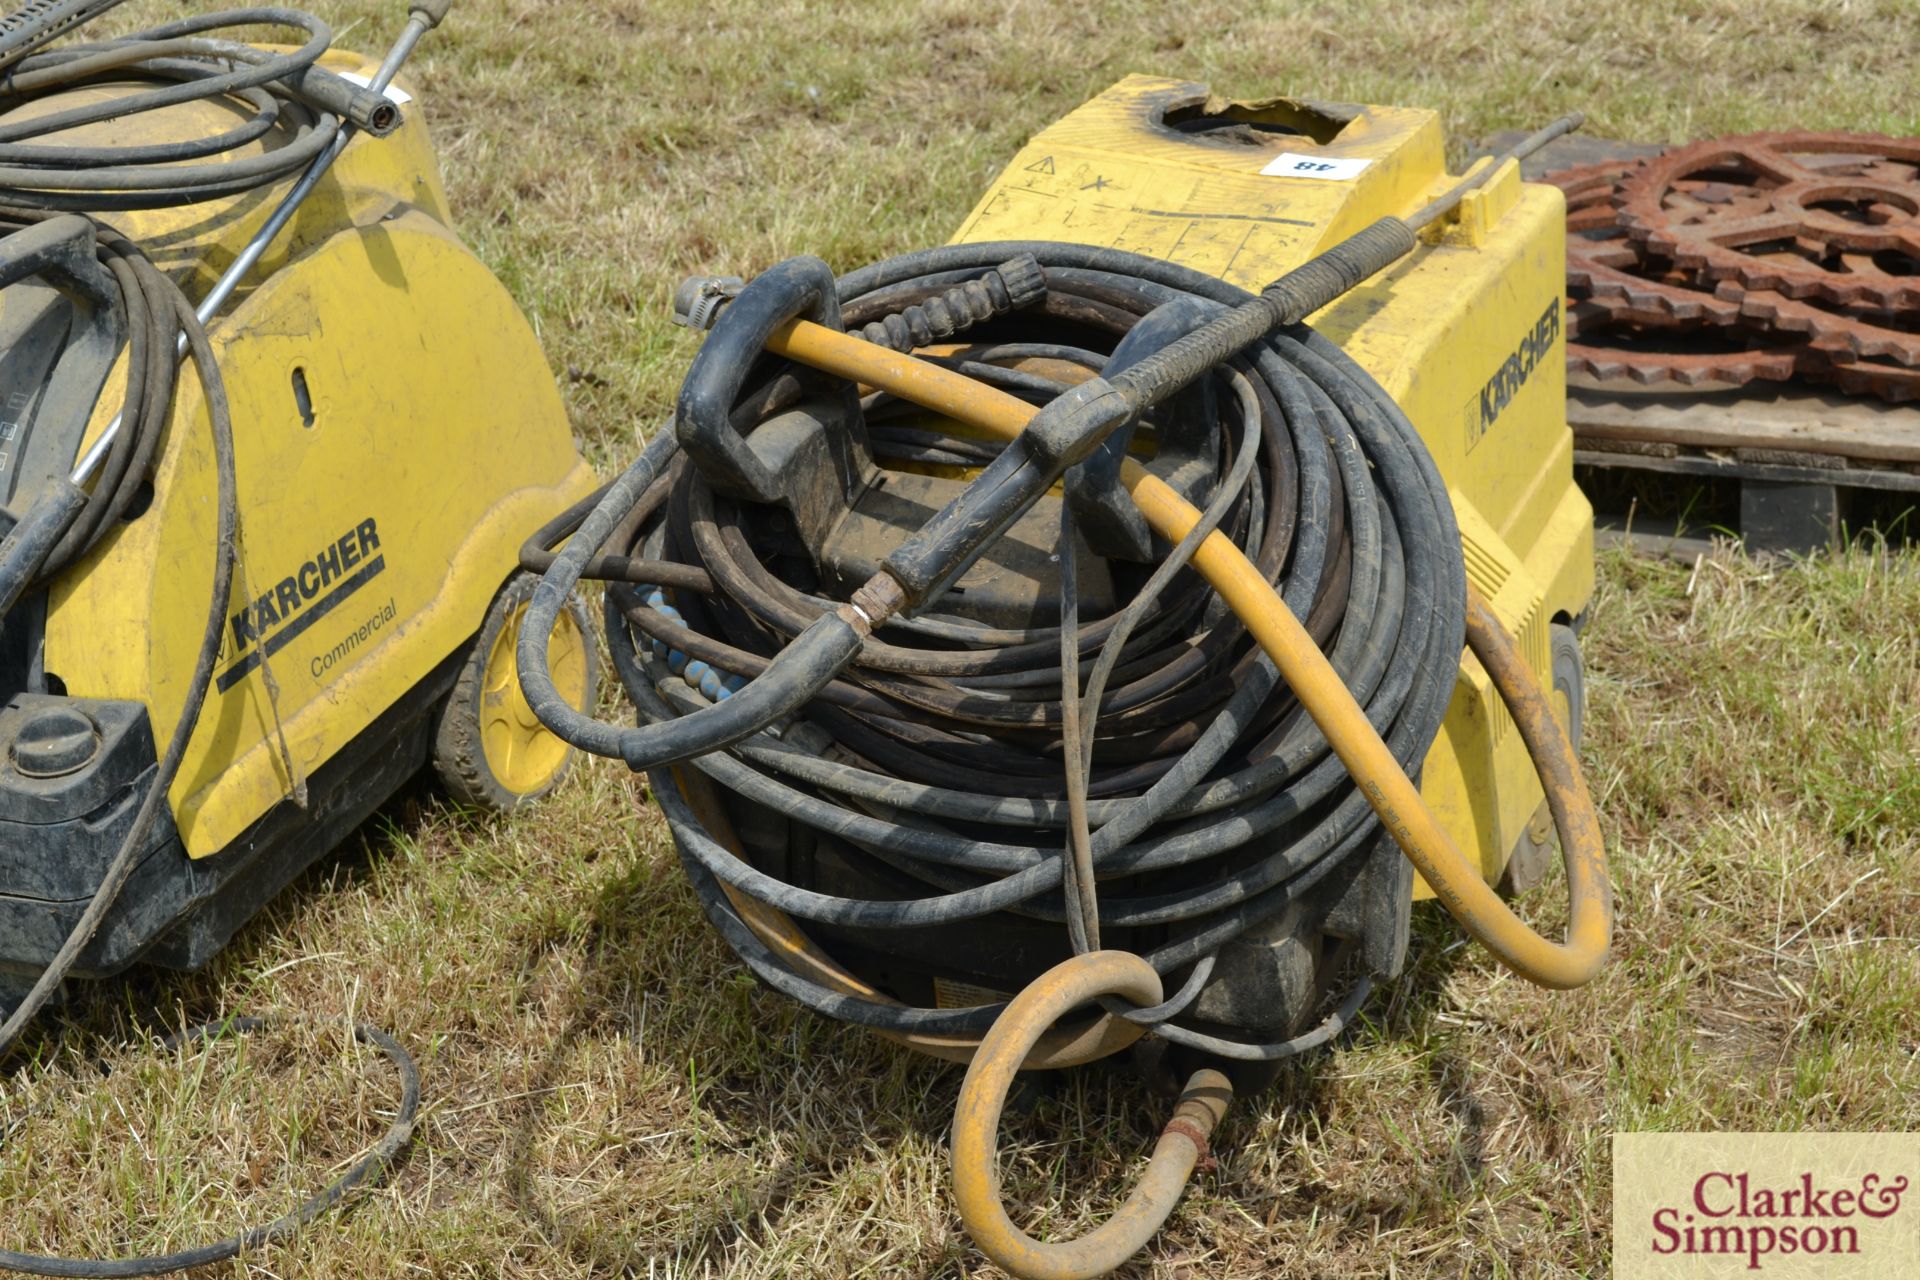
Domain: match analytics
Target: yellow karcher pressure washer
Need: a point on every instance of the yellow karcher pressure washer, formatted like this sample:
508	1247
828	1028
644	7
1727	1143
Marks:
241	605
1057	617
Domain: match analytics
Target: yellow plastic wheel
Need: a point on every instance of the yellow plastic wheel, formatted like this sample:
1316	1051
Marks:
490	749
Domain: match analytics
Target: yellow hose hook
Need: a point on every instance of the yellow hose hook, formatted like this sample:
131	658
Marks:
976	1121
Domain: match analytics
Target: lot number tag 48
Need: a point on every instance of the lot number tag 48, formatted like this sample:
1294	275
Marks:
1337	169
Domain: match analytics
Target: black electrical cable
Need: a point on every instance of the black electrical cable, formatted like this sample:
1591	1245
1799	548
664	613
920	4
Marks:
932	762
370	1166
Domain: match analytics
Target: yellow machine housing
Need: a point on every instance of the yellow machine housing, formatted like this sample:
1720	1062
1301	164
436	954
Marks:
1465	334
396	433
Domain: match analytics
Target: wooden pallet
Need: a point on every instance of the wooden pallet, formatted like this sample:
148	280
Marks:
1801	456
1798	454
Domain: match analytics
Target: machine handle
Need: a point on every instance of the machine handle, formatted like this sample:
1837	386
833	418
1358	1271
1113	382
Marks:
796	288
796	674
63	247
1109	521
29	543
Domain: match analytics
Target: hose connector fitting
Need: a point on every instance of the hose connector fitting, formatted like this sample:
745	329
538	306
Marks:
374	114
1016	283
429	13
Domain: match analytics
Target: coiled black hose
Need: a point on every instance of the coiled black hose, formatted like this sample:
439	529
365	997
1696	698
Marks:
934	762
294	108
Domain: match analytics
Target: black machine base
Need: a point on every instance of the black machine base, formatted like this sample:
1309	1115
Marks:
59	832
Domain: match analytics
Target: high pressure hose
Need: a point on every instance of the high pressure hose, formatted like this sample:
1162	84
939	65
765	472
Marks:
954	728
1245	732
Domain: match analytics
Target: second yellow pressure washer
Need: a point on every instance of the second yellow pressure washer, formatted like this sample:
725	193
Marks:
244	599
1064	620
371	619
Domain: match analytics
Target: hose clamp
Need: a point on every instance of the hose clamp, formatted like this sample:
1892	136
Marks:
697	302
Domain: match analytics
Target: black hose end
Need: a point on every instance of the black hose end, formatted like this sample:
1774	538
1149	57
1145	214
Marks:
331	93
382	119
1025	280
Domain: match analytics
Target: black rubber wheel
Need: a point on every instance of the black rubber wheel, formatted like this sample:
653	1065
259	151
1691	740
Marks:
1537	851
489	749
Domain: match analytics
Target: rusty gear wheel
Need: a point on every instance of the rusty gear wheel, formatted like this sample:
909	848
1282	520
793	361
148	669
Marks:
1697	359
1589	190
1891	382
1605	265
1838	330
1633	318
1827	216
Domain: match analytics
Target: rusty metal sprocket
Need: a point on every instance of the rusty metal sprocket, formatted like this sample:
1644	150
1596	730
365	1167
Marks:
1837	330
1889	382
1632	318
1664	357
1828	216
1604	264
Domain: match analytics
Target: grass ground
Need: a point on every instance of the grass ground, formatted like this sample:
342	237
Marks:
608	1092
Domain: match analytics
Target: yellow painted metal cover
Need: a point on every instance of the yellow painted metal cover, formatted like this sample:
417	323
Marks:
1465	334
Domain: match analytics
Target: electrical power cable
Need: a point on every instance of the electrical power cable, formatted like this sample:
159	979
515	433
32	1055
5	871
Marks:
363	1170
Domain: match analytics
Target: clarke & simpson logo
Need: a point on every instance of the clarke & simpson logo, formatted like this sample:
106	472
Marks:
1782	1204
1735	1217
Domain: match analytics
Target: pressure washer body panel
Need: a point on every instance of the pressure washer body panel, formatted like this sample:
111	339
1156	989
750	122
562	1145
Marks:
1465	334
397	435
